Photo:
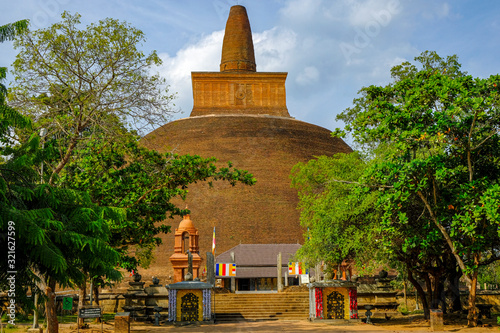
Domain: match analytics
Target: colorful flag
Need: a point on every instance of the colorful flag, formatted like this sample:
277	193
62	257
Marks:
296	268
225	269
213	244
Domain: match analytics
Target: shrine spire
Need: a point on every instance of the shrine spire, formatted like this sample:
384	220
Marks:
237	47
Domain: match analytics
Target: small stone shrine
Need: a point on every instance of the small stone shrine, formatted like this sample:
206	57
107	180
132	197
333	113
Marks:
186	240
333	299
380	296
135	299
190	300
156	301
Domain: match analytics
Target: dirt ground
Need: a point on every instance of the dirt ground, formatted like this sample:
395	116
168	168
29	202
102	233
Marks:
401	324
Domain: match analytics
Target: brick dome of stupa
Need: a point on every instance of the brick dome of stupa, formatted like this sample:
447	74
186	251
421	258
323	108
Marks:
240	115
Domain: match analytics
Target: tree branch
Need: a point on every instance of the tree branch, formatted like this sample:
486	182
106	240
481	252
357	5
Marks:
469	162
445	235
486	139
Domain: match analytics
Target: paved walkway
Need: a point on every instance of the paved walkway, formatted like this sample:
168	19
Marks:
285	326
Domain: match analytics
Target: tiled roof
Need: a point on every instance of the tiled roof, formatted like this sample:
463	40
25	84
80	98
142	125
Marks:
255	255
259	272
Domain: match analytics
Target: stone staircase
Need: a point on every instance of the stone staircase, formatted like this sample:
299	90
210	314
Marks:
253	307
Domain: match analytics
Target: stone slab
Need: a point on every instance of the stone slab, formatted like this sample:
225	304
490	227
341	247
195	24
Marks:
436	320
122	322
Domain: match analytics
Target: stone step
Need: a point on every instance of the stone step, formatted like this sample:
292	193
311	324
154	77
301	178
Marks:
271	304
237	315
261	306
283	306
261	316
303	307
239	318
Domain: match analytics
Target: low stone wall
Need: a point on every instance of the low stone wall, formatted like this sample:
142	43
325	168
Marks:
483	297
113	301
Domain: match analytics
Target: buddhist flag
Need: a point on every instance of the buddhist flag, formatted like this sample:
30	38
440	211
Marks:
213	244
296	268
225	269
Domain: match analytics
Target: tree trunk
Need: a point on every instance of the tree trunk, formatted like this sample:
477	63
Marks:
72	144
428	285
405	290
442	295
436	292
96	294
421	293
95	291
454	291
472	316
82	296
50	308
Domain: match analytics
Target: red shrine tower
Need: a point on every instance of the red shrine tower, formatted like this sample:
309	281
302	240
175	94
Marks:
186	239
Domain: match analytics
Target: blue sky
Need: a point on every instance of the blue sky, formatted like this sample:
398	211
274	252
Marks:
330	49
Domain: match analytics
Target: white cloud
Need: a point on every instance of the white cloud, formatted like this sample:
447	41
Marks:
437	11
274	49
362	13
273	52
307	76
204	55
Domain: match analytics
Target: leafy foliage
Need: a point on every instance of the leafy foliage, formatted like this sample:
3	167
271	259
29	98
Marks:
444	127
11	30
58	233
340	216
9	116
76	82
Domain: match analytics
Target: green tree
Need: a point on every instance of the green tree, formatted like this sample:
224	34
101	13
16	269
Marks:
342	209
57	234
490	274
76	82
444	127
338	214
9	116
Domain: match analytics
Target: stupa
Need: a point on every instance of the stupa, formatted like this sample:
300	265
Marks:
240	115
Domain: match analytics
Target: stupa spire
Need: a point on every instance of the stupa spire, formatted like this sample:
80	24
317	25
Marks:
237	48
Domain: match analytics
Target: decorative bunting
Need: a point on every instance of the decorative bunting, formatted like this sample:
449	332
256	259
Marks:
225	270
296	268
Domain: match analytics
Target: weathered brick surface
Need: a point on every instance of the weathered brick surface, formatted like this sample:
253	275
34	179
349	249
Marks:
237	47
239	93
266	146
